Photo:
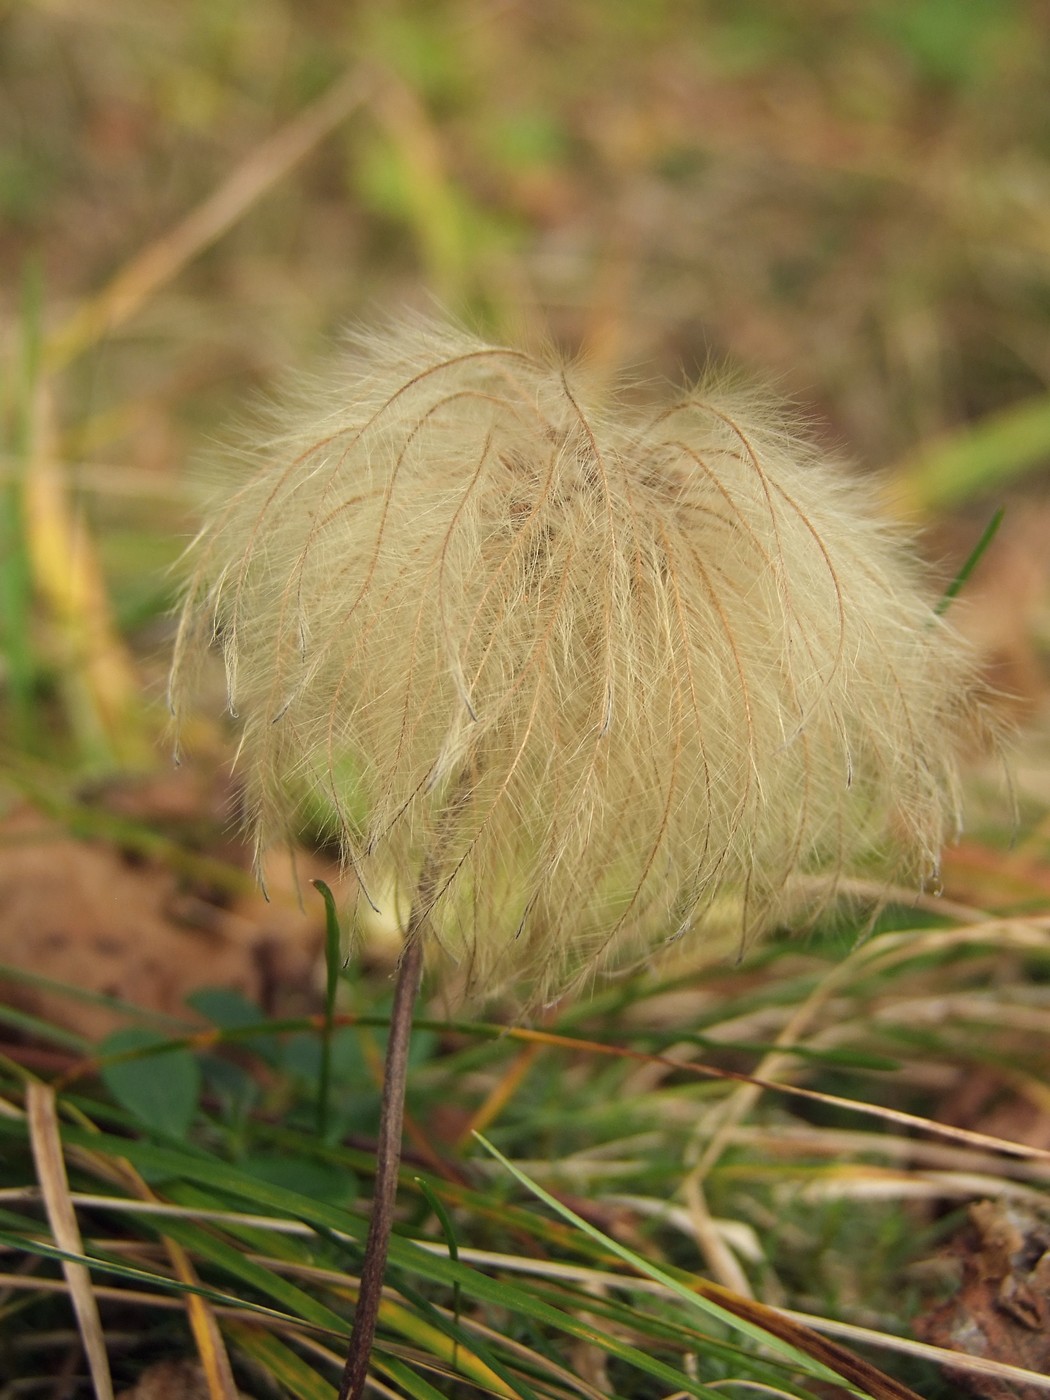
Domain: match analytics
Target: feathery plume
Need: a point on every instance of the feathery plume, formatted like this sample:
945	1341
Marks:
582	681
577	683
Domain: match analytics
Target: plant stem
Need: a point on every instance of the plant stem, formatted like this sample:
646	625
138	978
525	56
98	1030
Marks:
392	1112
388	1160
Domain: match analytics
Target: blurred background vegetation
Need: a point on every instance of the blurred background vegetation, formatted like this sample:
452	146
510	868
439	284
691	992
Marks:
851	201
847	199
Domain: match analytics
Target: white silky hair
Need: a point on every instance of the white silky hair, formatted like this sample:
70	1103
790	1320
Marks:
616	678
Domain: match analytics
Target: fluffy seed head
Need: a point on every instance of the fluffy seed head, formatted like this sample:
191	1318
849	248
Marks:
593	679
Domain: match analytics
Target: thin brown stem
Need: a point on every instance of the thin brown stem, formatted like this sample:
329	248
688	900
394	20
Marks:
392	1113
388	1160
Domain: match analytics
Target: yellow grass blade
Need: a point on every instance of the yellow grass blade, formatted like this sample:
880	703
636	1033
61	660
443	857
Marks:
215	1362
102	688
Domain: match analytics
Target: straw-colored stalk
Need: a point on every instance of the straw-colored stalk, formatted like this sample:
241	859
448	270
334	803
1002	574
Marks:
620	678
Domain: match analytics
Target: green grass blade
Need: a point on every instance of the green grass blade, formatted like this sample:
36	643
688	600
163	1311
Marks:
973	559
211	1246
445	1221
22	975
25	1244
695	1300
16	583
412	1384
332	961
404	1254
41	1029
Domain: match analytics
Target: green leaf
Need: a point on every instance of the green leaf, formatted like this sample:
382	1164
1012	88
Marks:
225	1007
235	1089
160	1086
232	1011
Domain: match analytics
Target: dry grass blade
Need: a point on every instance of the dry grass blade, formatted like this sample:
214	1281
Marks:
54	1186
264	168
885	951
966	1136
941	1356
201	1313
720	1259
806	1339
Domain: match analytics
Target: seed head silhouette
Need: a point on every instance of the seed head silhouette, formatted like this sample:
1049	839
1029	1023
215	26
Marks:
584	681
